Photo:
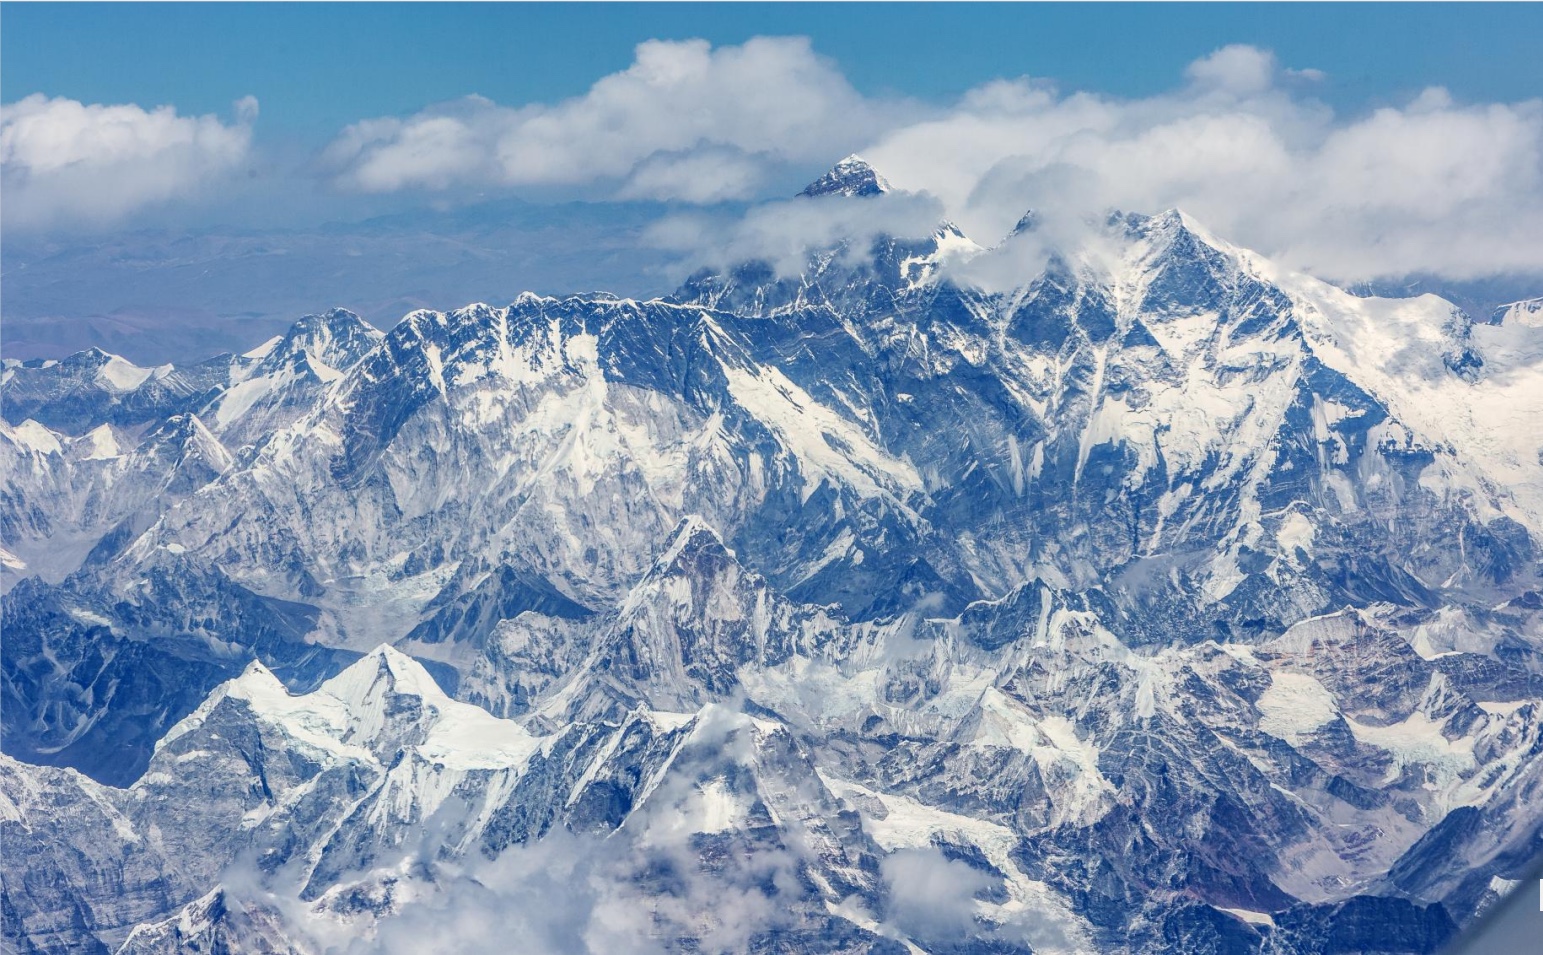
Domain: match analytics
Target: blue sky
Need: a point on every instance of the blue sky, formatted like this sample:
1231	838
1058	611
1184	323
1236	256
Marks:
318	66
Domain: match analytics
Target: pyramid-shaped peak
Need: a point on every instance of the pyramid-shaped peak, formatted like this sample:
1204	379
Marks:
256	685
186	430
1168	233
1169	222
337	337
254	682
851	176
335	321
691	535
384	670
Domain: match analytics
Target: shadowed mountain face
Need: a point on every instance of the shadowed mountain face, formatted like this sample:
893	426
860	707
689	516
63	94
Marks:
1166	602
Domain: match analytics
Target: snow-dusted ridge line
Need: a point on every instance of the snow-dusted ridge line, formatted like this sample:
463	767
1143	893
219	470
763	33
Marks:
347	714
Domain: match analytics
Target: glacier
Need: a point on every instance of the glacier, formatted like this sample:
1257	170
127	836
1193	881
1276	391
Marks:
1162	601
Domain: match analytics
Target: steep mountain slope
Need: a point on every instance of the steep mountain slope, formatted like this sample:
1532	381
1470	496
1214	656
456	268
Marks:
100	447
1165	601
67	495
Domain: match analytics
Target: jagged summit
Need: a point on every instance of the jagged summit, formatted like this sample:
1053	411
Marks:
693	533
384	670
336	324
1027	222
337	338
851	176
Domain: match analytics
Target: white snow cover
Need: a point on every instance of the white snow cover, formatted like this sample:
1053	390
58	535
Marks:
828	446
533	417
262	351
100	444
1395	349
120	374
349	712
1294	706
33	436
1528	312
239	398
898	822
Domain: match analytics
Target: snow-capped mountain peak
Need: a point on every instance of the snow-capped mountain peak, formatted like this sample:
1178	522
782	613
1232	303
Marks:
381	673
337	338
851	176
382	703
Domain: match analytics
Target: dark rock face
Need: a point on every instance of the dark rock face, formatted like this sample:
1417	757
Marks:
1164	603
1366	924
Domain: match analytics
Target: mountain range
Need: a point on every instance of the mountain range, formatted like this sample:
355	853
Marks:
1164	600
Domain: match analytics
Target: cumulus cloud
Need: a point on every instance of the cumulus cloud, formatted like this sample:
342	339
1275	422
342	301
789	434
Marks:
65	162
1237	69
1431	185
684	121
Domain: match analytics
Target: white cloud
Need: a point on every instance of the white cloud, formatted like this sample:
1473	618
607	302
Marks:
67	162
1433	186
636	889
1307	75
781	233
930	895
685	121
702	176
1429	186
1237	69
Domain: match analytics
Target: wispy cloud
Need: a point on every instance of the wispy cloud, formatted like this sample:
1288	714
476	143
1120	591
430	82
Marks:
65	162
931	896
671	872
782	232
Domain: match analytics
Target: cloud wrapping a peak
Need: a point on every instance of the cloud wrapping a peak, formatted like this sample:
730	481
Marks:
782	233
1431	186
69	163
